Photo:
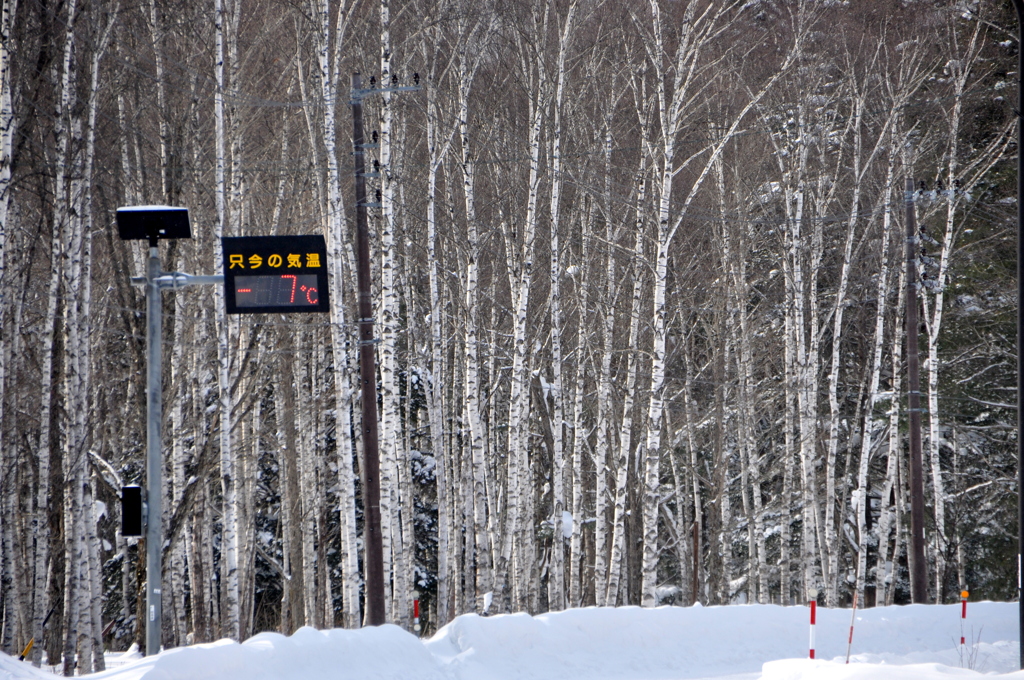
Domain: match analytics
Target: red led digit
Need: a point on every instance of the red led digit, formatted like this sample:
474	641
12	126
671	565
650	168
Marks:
311	296
295	281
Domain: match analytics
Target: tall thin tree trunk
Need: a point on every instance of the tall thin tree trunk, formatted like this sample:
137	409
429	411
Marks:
13	594
621	468
556	580
293	609
435	387
229	544
338	248
482	551
388	324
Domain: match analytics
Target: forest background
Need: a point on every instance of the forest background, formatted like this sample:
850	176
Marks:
640	291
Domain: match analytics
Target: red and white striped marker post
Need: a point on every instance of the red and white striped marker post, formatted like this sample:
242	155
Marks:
416	611
963	617
853	618
813	593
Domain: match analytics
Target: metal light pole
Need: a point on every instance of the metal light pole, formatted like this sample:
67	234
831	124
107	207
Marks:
153	224
156	281
154	452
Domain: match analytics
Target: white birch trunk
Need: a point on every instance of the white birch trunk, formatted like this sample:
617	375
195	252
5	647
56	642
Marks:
933	321
388	324
884	570
521	253
602	445
804	416
95	590
576	555
670	105
156	35
84	287
579	441
40	523
482	551
336	243
74	557
746	431
873	426
293	610
802	308
556	579
696	33
407	495
14	595
229	571
618	555
831	584
698	512
176	430
495	497
129	181
307	501
622	467
435	388
723	449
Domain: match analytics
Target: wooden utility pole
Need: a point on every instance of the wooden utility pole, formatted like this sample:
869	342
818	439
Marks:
1018	5
918	566
374	557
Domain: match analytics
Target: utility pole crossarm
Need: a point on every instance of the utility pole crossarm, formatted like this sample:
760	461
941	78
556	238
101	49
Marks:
362	93
179	280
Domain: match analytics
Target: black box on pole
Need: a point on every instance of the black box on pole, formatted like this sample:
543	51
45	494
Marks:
152	222
131	511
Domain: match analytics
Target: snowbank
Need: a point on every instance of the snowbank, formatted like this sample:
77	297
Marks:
681	643
627	643
806	669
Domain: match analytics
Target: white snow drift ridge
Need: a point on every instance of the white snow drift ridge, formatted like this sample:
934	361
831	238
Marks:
628	643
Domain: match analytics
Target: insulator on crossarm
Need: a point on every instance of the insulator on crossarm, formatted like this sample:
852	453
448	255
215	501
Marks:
415	78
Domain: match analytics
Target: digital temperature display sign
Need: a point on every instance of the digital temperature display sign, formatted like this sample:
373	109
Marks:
275	274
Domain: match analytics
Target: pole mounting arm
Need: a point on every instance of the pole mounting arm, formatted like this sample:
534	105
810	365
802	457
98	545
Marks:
179	280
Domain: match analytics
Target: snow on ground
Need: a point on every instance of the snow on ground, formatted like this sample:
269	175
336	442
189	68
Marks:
744	642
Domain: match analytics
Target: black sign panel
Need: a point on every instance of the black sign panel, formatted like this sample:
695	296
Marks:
131	511
152	222
275	274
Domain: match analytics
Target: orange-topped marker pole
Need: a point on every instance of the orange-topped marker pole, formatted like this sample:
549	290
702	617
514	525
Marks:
963	616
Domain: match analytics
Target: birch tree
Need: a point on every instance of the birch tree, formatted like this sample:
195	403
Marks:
672	84
329	73
227	462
